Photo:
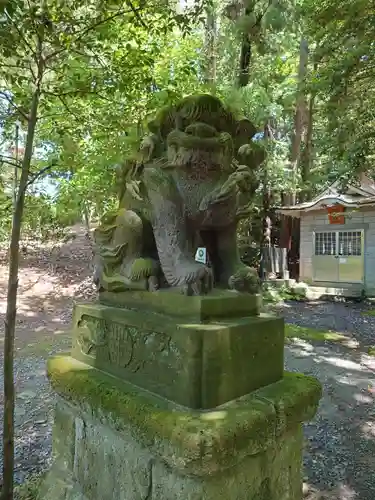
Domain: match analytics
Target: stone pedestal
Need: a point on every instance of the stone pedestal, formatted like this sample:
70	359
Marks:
162	400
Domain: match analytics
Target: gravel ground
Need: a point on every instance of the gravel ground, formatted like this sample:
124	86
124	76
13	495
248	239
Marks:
33	418
340	448
33	414
337	316
51	276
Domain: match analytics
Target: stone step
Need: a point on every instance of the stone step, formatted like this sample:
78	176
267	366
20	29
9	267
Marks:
316	292
280	283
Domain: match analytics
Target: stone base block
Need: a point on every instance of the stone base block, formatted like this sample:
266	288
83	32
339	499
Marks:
198	364
113	441
217	304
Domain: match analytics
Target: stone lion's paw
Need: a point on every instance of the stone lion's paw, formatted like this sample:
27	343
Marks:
198	279
246	280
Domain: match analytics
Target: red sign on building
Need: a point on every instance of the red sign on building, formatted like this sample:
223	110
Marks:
335	214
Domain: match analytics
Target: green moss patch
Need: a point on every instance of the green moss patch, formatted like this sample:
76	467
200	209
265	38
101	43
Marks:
295	398
45	346
371	351
306	333
371	312
186	433
29	489
194	440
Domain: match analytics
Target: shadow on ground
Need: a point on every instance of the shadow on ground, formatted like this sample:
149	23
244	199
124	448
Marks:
339	461
51	278
340	443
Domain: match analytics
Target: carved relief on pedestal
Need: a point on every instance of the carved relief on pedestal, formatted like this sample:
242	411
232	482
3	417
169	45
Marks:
121	345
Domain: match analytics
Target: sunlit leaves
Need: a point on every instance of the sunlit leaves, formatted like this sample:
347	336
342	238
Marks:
273	19
247	23
344	34
105	66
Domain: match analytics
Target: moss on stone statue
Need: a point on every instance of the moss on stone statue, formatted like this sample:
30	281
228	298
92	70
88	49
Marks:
218	304
193	441
179	138
29	489
186	431
295	399
197	130
208	362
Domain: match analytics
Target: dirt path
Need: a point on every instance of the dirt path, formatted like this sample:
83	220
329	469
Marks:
51	278
340	443
340	453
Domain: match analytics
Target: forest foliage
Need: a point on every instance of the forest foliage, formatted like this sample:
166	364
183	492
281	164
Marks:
79	79
300	69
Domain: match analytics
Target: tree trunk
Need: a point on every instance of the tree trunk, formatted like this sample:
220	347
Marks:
210	42
289	198
86	218
11	311
245	61
266	219
15	172
306	157
285	231
299	118
266	196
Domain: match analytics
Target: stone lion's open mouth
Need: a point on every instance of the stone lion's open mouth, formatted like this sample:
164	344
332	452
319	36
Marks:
192	139
201	130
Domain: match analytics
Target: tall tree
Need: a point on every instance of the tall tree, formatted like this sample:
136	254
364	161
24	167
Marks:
343	33
58	52
210	45
300	118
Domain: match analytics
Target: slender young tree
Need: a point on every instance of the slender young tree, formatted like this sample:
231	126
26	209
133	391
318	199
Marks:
52	52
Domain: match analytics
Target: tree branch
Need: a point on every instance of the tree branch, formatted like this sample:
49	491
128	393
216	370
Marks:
14	66
33	51
90	55
80	120
11	164
32	18
19	110
106	20
77	92
39	174
52	115
32	72
31	181
84	32
10	161
136	14
62	100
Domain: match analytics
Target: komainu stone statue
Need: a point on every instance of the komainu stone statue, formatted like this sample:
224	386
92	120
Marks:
193	180
167	396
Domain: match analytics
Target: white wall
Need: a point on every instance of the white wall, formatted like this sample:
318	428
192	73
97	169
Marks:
364	219
369	217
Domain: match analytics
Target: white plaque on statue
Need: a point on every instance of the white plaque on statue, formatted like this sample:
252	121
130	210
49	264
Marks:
201	255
